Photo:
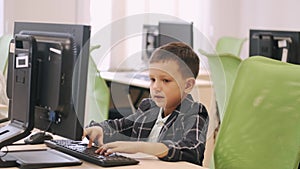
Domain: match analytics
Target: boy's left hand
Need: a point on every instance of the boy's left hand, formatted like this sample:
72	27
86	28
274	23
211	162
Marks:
119	146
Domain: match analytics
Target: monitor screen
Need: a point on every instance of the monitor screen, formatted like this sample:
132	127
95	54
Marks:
62	61
279	45
174	32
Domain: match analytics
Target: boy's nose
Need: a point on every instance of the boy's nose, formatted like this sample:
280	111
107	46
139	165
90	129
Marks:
157	86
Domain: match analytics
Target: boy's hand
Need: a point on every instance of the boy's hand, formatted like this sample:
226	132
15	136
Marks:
119	146
94	133
156	149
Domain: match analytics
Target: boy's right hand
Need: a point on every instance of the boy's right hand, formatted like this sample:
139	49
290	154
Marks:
94	133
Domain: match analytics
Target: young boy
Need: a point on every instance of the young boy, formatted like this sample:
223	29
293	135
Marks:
169	125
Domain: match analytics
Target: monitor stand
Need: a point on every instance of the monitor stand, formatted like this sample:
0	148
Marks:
7	162
38	158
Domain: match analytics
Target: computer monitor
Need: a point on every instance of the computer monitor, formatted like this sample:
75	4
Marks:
62	59
279	45
163	33
174	32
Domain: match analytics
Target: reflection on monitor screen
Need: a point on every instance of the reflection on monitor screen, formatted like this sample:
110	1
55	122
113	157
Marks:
62	59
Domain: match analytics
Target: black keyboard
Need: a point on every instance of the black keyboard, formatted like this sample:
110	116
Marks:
79	150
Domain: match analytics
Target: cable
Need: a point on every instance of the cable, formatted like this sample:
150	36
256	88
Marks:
48	128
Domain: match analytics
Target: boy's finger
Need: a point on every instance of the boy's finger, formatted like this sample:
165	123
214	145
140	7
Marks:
100	141
84	134
90	143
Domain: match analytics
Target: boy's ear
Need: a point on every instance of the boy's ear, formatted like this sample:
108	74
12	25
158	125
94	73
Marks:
189	84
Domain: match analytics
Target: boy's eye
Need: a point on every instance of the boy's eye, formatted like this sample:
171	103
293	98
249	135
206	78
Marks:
166	80
152	79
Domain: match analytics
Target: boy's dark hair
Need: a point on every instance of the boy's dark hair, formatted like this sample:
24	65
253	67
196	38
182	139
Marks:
183	54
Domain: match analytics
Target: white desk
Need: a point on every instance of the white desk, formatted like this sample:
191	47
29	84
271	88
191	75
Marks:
126	78
138	79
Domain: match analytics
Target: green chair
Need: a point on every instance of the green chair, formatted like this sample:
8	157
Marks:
261	126
4	47
223	64
98	96
4	50
222	68
230	45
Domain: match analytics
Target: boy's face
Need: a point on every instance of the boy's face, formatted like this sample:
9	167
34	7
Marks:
167	85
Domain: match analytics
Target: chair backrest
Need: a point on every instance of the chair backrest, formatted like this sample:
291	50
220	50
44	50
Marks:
223	69
4	50
4	47
261	126
98	95
231	45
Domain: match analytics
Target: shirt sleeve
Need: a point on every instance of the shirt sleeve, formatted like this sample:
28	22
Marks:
192	145
120	129
116	129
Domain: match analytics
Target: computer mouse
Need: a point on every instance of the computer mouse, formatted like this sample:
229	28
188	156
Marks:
38	138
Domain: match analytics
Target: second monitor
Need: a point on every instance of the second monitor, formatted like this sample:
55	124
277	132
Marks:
275	44
165	32
175	32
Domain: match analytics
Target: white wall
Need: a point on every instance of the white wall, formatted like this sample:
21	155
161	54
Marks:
55	11
223	19
1	17
220	18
